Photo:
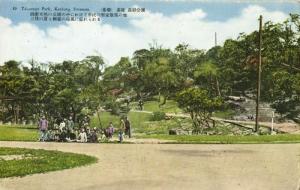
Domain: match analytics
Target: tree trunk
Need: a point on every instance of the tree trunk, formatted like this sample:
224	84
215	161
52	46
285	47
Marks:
165	100
14	113
158	97
99	119
218	87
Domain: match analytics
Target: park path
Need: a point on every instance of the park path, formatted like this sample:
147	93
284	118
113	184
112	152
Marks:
285	127
168	166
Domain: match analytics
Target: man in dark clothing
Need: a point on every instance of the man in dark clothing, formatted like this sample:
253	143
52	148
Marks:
94	136
63	136
141	103
127	127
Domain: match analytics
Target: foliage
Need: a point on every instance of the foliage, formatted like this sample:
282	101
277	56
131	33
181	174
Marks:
224	114
285	93
158	116
58	90
199	105
112	105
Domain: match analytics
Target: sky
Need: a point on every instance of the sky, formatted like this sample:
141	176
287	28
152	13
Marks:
167	23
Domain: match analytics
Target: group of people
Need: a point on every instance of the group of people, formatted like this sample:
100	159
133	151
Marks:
66	131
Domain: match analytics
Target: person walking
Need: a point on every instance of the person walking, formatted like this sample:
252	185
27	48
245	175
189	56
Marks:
121	130
141	104
43	127
127	127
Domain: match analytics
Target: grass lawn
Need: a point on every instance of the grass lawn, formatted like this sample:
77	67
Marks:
222	139
153	106
105	118
140	122
144	128
156	127
18	133
137	120
21	162
226	114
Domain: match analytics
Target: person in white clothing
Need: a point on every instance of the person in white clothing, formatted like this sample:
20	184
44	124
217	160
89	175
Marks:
62	125
82	136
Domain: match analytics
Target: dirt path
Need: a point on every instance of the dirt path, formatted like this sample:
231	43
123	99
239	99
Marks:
166	166
143	141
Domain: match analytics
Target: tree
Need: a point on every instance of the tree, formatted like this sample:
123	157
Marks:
160	75
206	75
286	93
15	92
200	105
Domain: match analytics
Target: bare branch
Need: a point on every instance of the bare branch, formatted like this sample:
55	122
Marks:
286	65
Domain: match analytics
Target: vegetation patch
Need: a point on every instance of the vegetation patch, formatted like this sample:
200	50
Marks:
137	119
224	139
18	133
158	116
224	114
170	106
21	162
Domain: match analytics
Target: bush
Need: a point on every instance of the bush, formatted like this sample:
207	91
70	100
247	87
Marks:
158	116
112	106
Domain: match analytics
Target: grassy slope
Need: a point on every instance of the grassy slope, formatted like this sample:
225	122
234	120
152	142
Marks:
39	161
137	119
169	107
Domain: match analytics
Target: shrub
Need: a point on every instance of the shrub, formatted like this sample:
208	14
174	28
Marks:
158	116
112	106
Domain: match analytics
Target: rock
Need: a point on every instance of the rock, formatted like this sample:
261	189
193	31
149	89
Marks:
273	133
236	98
290	121
241	118
210	133
264	130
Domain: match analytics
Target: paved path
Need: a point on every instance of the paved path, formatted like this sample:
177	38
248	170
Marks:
166	166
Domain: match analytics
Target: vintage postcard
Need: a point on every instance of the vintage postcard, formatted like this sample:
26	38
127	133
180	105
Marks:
132	94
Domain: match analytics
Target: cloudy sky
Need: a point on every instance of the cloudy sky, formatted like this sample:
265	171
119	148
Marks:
166	22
